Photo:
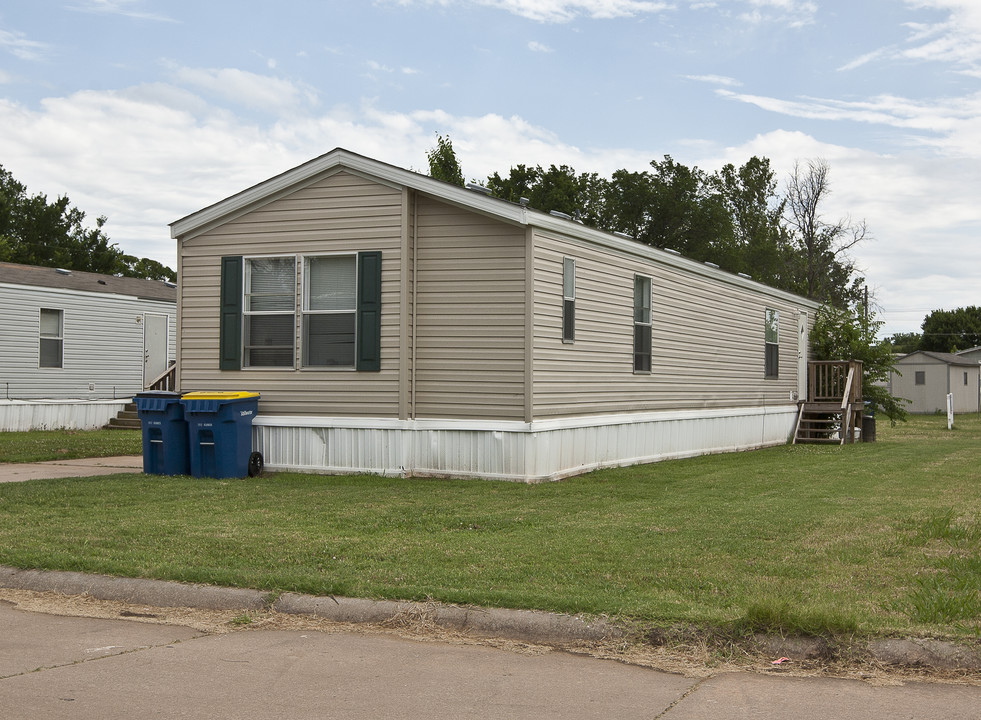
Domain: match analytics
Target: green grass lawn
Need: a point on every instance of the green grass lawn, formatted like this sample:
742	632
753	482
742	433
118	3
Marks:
872	538
41	445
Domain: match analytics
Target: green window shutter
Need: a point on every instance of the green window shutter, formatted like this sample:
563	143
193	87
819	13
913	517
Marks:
369	311
230	328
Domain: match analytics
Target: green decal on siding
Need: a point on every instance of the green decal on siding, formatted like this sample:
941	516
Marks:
230	330
369	311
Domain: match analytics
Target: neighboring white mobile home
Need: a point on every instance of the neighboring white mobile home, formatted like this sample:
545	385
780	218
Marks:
926	378
73	343
397	324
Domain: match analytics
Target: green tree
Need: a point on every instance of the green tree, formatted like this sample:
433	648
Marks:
850	334
904	343
34	231
952	330
443	163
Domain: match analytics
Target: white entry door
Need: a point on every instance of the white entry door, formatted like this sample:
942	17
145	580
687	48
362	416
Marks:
802	355
154	346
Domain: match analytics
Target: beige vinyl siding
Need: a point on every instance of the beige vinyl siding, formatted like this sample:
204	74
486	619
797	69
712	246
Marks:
340	213
707	338
470	306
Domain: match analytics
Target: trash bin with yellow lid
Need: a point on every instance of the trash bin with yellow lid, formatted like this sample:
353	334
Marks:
219	428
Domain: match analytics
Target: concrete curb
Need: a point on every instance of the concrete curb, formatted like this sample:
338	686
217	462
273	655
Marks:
523	625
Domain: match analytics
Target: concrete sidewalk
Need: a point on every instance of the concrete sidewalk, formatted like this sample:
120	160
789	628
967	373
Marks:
69	667
82	467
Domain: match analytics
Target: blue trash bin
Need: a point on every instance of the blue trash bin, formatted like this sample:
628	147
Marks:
165	449
219	430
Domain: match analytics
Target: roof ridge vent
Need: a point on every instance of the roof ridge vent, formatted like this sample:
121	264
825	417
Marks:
474	187
671	250
711	264
556	213
623	235
62	271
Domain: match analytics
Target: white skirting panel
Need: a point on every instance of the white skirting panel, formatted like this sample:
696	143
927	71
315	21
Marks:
21	415
530	452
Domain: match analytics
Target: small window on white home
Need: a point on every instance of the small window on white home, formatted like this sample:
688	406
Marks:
920	378
568	300
330	302
642	324
772	351
965	378
269	311
51	341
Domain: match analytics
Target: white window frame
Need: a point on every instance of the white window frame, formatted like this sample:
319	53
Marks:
307	312
644	323
568	300
59	338
771	320
248	313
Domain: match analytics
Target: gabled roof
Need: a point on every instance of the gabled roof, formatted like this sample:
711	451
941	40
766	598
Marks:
479	202
45	277
946	358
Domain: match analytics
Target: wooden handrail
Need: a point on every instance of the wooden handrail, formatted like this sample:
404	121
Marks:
167	380
846	396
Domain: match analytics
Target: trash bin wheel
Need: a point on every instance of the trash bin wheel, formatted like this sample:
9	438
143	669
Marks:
255	464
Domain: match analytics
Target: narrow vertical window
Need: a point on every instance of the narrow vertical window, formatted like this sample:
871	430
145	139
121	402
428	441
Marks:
642	324
920	377
51	341
568	300
329	311
772	340
270	311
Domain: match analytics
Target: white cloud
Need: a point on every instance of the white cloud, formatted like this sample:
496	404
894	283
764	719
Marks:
17	44
560	11
539	47
951	126
956	41
794	13
247	89
126	8
715	80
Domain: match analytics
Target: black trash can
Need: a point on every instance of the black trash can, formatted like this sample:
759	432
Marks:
165	450
219	428
868	428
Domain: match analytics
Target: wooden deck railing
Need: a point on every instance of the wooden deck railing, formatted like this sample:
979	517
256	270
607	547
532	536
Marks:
167	380
828	381
834	405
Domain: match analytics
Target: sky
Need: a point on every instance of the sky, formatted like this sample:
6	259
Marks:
145	111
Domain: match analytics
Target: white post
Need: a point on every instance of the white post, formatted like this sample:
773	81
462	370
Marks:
950	410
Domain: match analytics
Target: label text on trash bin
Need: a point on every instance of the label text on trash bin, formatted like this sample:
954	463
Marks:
246	413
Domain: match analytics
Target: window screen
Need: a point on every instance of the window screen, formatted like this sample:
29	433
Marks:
270	311
772	344
642	324
568	300
329	313
51	340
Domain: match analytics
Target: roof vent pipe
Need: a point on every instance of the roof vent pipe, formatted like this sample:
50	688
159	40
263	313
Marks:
478	188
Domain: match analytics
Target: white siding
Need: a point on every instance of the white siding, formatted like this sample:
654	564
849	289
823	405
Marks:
340	213
103	343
